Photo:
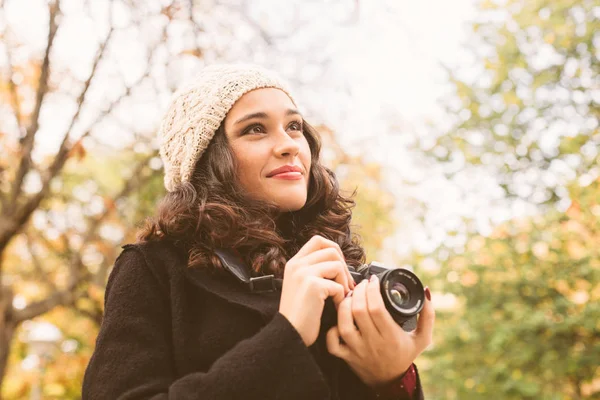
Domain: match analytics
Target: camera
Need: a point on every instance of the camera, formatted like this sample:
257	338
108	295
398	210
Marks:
402	291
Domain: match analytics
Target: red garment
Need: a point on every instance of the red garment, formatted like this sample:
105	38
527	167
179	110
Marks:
401	388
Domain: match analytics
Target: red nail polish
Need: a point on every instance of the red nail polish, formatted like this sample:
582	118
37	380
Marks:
428	293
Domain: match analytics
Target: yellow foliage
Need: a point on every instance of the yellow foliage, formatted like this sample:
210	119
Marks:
469	278
549	37
540	250
476	243
469	383
576	249
458	263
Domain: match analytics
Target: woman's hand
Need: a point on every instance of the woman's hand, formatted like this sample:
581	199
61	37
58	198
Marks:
378	351
316	272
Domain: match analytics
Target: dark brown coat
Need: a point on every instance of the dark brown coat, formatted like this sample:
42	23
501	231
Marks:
171	332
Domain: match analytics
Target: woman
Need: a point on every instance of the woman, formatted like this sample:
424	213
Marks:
243	176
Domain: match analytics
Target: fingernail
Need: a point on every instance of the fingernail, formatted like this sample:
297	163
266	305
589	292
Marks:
373	278
427	293
349	294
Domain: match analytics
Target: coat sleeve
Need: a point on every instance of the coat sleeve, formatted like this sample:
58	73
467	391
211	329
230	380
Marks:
133	355
407	387
349	386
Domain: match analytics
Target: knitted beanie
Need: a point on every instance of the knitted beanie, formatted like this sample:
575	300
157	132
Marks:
197	110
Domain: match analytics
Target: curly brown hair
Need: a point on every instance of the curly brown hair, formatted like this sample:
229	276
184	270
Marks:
213	211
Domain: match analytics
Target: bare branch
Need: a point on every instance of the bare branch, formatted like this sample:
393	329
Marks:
9	226
14	96
68	296
37	265
75	264
81	98
95	316
196	28
64	297
130	185
42	90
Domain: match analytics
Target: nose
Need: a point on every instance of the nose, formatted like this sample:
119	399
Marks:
286	145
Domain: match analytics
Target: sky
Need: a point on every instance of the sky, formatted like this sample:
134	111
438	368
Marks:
389	52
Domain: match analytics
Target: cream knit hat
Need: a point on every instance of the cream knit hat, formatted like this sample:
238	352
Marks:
197	110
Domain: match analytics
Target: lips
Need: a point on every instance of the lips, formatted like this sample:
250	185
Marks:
284	169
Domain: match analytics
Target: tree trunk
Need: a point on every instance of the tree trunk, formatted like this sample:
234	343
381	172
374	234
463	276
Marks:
7	330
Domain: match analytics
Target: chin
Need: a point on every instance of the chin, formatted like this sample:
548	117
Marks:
289	205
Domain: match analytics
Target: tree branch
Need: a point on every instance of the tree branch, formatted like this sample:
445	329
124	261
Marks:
37	265
64	297
69	296
81	98
95	316
10	226
196	28
14	96
42	90
130	185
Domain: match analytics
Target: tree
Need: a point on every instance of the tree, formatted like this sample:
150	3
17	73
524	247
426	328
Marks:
83	103
526	324
523	320
527	107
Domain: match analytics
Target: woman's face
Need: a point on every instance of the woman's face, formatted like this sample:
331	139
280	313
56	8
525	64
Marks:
264	130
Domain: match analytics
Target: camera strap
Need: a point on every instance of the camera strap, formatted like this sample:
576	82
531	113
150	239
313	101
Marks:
234	264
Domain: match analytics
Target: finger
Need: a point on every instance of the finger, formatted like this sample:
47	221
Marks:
360	312
381	317
346	328
334	345
327	254
318	242
351	282
424	332
333	270
331	289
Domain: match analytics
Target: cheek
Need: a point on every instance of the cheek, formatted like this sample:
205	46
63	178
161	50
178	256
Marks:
305	156
247	172
249	167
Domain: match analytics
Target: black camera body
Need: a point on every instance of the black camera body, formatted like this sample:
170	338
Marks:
402	291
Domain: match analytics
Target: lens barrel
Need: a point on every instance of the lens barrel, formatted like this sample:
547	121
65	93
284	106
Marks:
402	292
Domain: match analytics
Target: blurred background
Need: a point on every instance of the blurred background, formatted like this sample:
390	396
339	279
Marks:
469	128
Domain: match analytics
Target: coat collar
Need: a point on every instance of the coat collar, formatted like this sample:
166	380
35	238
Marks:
221	284
226	287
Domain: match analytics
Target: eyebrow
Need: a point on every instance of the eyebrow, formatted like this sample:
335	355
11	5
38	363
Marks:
263	115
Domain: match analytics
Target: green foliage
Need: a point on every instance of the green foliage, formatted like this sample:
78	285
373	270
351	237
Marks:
524	320
529	106
374	205
89	187
527	322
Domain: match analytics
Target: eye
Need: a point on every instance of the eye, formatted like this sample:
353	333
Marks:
252	129
297	126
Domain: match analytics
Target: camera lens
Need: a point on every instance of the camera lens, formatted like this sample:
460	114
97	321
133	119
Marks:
399	294
402	291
